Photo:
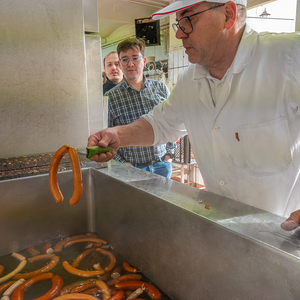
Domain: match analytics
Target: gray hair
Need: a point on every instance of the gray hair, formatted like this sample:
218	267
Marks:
241	12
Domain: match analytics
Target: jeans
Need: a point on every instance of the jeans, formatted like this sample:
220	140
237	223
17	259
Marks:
162	168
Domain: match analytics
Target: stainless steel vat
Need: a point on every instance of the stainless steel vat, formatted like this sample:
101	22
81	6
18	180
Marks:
231	251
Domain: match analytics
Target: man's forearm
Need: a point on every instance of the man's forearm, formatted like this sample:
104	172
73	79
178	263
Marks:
138	133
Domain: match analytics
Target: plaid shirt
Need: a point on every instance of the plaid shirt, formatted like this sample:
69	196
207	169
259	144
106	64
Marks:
126	105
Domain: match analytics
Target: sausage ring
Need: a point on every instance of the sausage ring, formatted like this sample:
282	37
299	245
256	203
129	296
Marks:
33	251
127	267
11	289
59	246
111	256
1	269
67	289
94	291
57	284
41	257
15	271
75	296
151	290
83	287
87	239
124	278
81	256
81	273
54	261
117	296
77	177
53	169
104	289
6	285
19	291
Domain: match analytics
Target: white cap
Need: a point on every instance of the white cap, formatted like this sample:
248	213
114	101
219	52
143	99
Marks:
182	4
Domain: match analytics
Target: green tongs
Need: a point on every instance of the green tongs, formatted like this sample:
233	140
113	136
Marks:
93	150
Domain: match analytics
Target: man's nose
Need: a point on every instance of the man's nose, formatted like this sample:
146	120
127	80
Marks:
130	63
180	34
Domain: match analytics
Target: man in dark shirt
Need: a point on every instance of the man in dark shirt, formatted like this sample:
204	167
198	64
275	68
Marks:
113	72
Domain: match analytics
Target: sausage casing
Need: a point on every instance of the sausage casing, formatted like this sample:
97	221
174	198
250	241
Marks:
127	267
124	278
76	296
77	177
57	284
151	290
118	296
19	291
111	256
53	169
54	261
80	273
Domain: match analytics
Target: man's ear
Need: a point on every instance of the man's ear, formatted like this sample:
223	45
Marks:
230	14
145	60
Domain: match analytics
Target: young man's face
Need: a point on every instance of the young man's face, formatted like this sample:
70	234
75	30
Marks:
133	71
112	68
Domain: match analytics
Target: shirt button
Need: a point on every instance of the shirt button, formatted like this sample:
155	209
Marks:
222	183
216	128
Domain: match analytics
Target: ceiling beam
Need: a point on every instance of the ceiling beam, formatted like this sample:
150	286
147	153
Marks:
256	3
153	3
146	3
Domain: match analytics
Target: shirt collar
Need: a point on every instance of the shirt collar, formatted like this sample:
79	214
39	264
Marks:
127	86
245	49
241	58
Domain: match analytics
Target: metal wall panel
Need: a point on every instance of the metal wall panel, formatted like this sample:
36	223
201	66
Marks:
90	10
32	216
231	251
94	83
43	87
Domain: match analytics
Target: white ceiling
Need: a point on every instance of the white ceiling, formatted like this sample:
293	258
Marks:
115	13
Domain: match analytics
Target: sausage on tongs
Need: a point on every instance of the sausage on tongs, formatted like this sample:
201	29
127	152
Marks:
77	178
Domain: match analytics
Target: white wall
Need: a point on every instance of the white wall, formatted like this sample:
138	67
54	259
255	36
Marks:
43	83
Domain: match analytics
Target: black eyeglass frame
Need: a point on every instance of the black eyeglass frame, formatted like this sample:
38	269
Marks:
176	25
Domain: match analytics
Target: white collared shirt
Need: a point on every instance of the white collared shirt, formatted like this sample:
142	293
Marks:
247	145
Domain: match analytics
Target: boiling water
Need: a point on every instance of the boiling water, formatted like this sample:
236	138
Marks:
68	254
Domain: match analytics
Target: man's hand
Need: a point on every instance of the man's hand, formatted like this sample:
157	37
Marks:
292	222
104	138
138	133
168	158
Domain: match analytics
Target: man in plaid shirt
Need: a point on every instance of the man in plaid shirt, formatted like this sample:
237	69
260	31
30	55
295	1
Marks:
133	97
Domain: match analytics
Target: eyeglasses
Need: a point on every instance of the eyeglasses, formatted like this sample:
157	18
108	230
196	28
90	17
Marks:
185	23
135	60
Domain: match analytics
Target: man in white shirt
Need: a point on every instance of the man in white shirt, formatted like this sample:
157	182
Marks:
239	103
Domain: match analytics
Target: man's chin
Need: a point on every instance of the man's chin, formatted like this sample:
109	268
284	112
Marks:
115	79
193	59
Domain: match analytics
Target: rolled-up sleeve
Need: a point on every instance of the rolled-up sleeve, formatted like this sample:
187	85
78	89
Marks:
166	122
